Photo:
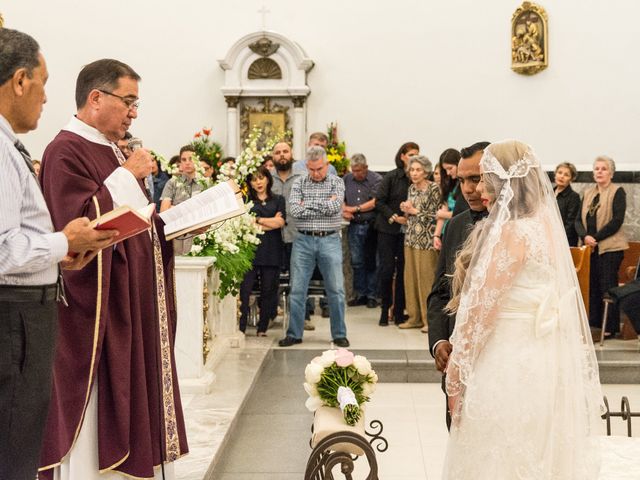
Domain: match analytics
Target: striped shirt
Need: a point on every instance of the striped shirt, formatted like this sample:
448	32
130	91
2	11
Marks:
29	249
317	206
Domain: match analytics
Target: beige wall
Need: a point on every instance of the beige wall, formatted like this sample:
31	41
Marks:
436	72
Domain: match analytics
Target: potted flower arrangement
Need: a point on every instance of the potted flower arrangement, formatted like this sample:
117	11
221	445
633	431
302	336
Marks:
233	243
336	150
338	378
207	150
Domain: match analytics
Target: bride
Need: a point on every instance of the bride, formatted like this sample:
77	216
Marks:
522	380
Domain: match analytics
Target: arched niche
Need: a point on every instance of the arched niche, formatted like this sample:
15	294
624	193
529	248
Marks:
265	70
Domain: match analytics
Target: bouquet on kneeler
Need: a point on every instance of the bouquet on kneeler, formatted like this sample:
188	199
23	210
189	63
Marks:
338	378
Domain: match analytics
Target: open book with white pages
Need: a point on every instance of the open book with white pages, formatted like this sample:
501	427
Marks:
210	206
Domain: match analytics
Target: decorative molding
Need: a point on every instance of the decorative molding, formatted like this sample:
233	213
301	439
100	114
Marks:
529	39
232	101
299	56
264	47
206	335
264	69
298	102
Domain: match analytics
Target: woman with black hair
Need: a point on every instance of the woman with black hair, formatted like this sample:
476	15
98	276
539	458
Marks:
450	191
389	223
269	209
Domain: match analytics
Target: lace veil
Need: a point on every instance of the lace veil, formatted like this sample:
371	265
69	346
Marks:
524	227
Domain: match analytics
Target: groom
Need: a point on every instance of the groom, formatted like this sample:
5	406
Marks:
457	230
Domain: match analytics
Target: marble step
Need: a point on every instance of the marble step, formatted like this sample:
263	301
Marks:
417	366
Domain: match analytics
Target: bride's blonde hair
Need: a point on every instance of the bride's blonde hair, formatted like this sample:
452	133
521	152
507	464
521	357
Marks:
461	264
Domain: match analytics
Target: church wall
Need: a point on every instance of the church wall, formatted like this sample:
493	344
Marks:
434	72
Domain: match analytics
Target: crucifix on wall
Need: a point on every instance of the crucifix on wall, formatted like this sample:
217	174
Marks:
263	11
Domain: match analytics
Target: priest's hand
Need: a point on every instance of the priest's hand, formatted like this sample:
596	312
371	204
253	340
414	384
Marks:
139	163
82	237
79	261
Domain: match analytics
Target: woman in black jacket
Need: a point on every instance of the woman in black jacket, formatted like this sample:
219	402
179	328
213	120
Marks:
389	223
568	200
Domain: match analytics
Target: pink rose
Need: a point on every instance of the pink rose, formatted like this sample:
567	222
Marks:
344	357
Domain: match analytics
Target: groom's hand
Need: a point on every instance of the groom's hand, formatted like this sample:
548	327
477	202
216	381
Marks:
443	350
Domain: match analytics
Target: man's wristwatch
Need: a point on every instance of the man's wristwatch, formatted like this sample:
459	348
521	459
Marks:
358	209
392	218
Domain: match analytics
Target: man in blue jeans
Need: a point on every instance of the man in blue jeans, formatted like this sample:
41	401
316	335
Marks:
359	208
316	204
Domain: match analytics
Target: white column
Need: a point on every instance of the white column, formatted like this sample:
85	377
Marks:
192	277
232	126
299	134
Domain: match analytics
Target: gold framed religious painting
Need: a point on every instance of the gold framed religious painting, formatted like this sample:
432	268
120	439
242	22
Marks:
529	39
271	124
272	119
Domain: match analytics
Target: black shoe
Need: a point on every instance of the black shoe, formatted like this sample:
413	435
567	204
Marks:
356	302
384	318
341	342
372	303
401	319
325	312
288	341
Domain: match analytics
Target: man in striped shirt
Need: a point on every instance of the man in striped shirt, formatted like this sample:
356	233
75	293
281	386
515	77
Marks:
316	204
30	255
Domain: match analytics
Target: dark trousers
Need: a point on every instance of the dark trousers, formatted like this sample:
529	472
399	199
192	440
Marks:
268	302
631	306
27	345
604	275
391	261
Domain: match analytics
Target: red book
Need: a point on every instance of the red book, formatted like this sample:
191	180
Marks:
127	221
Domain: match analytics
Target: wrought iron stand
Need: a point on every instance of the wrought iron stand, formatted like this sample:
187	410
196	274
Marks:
323	458
625	413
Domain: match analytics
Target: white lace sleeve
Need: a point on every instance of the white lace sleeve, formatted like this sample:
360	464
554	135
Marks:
488	279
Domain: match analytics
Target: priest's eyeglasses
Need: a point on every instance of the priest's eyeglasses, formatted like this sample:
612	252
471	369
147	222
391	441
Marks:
132	103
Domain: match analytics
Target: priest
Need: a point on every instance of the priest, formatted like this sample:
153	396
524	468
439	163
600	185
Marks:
115	403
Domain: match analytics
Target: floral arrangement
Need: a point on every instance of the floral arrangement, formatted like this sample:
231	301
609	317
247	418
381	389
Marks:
233	243
207	150
233	247
336	150
338	378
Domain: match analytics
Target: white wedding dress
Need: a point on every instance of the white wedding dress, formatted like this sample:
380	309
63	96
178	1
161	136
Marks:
524	412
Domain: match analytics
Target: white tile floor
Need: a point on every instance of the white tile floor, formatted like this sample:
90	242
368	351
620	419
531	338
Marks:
413	417
412	414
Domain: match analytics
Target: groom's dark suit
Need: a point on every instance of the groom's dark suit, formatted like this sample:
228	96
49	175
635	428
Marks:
440	323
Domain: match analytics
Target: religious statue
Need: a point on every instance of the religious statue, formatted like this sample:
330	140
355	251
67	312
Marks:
529	53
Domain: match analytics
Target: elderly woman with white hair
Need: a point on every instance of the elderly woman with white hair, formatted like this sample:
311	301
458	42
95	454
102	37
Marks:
600	227
420	254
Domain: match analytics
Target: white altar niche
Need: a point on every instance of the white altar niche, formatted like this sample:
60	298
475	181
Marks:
266	68
207	326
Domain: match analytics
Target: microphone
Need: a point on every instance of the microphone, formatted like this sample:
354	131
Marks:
134	144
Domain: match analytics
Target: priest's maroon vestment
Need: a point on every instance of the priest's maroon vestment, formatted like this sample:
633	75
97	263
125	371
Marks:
118	329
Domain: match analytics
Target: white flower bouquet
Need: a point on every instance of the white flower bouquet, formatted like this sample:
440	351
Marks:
338	378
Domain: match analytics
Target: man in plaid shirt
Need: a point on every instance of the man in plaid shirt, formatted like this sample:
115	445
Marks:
316	204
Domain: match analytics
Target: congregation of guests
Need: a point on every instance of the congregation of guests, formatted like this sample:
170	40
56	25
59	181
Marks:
395	226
